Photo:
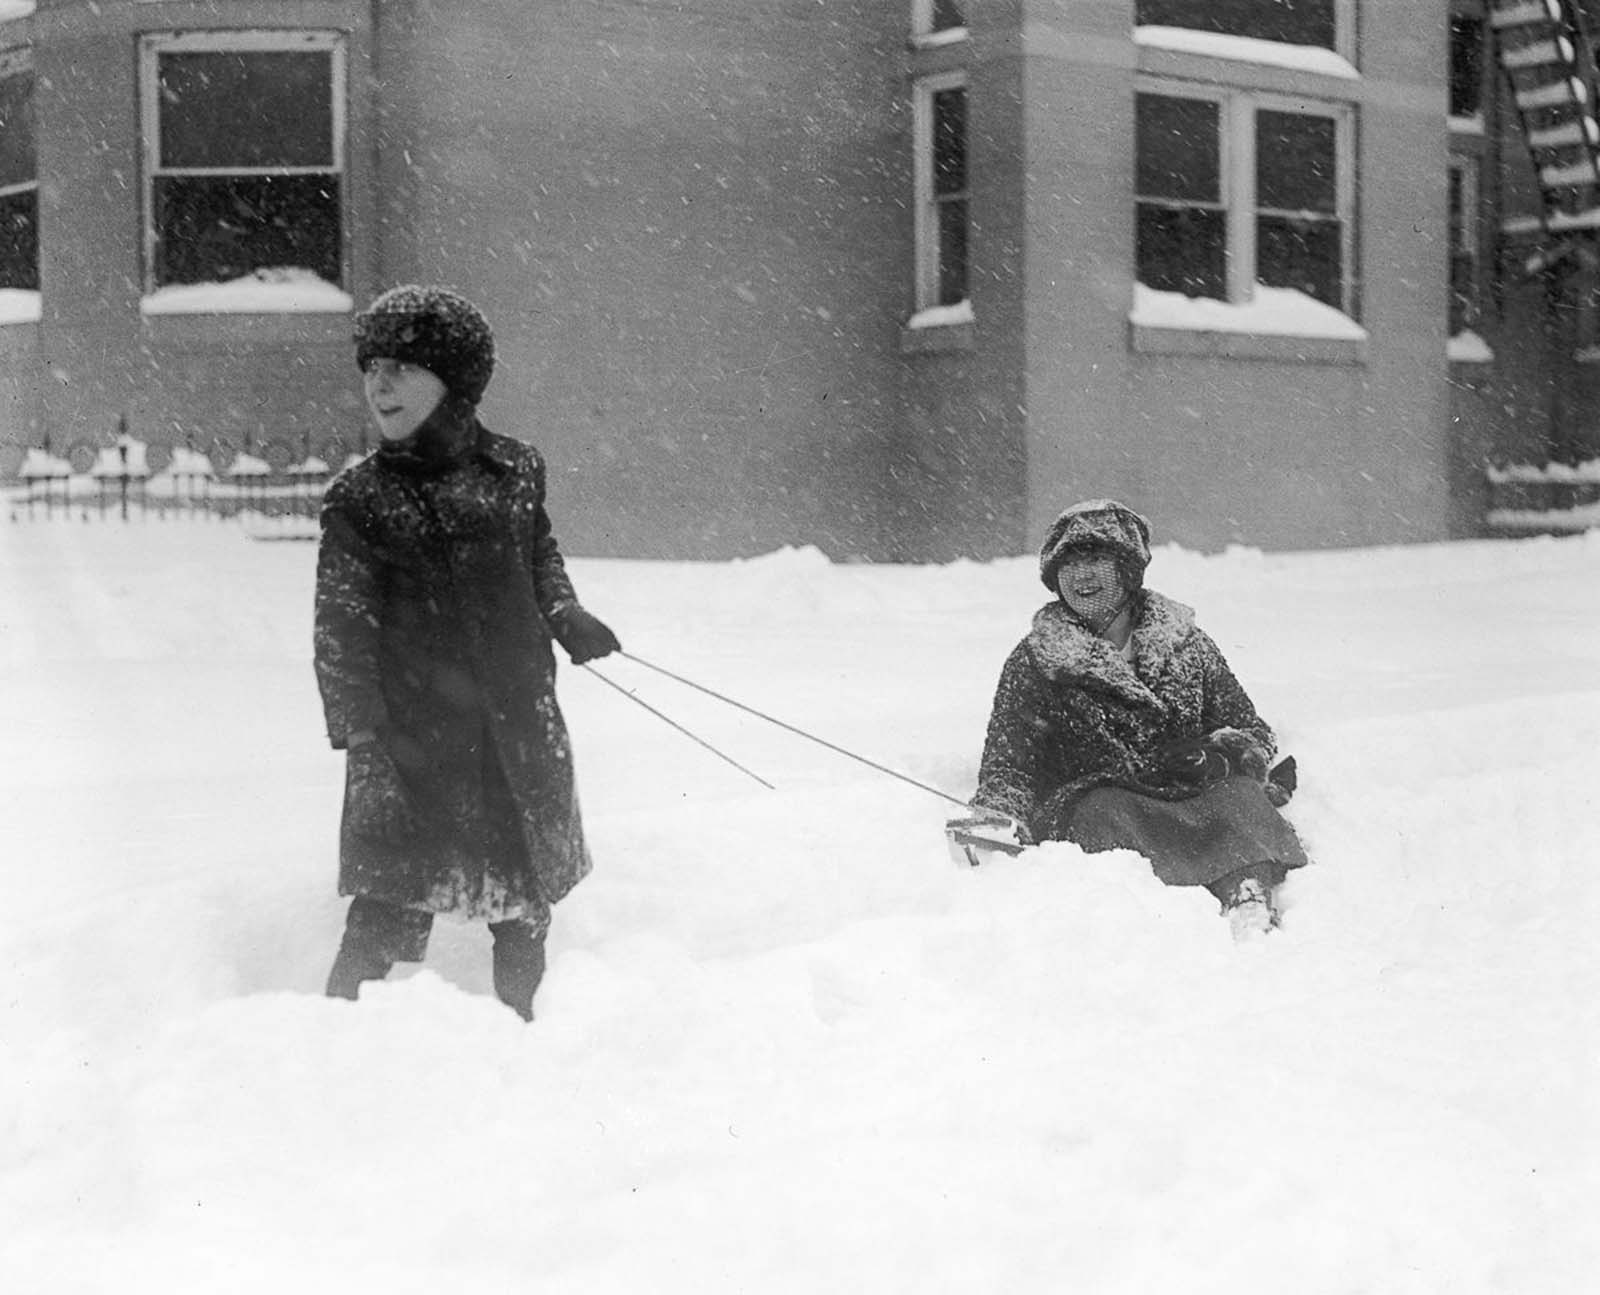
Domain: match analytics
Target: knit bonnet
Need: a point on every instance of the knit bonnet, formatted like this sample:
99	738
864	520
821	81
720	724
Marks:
1097	523
433	327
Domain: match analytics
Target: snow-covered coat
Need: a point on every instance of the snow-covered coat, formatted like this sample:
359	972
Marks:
436	584
1070	714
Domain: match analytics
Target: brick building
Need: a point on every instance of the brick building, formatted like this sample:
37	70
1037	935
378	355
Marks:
894	277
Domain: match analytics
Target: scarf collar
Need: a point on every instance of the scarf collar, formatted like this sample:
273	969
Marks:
447	437
1066	652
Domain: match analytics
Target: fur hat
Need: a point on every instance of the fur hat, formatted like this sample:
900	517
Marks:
1097	523
436	328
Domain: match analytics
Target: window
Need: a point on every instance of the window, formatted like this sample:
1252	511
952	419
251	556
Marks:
942	217
1237	188
1464	273
19	176
1466	65
932	17
1295	22
244	144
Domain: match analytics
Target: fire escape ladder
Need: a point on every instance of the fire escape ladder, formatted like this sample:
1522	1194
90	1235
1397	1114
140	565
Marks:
1544	49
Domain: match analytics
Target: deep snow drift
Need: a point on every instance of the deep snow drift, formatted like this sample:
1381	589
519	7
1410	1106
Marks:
784	1043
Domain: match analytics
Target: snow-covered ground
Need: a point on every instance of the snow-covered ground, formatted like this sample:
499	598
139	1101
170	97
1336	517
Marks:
785	1044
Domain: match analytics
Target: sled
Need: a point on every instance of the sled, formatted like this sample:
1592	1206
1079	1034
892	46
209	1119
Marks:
972	840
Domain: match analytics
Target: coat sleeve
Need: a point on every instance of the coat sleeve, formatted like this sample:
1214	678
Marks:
345	625
1014	765
551	584
1227	705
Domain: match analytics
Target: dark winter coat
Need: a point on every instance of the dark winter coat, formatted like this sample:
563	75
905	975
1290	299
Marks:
1070	714
437	581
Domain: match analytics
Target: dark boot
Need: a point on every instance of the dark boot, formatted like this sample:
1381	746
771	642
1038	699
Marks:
355	963
376	936
518	963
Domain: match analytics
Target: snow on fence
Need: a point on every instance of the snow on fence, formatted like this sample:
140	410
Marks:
120	485
1544	498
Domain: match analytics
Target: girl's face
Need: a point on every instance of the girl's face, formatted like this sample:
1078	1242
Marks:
400	395
1090	584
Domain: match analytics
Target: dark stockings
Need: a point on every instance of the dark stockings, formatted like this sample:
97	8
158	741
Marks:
378	935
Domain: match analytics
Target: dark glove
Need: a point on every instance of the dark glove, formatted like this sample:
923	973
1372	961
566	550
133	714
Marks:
1243	750
376	802
1192	762
586	637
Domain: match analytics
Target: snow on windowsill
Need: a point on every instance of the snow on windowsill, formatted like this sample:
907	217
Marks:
1582	518
1466	347
1567	473
10	9
1272	312
934	39
942	316
20	306
1473	125
1247	49
266	292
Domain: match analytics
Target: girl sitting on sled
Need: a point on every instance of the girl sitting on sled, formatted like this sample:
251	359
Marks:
1117	724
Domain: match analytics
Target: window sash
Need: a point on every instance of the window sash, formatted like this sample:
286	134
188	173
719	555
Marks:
1242	214
931	16
162	180
1254	18
19	164
19	174
1469	53
941	211
1466	280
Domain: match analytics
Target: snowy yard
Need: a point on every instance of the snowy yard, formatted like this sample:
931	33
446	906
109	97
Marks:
784	1044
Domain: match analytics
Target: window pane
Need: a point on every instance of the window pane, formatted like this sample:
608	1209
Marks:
17	164
216	228
257	109
952	251
950	141
1179	148
1296	162
19	240
1183	250
947	13
1300	22
1303	254
1463	292
1466	65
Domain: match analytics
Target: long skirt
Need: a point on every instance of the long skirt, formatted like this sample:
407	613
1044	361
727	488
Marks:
1229	827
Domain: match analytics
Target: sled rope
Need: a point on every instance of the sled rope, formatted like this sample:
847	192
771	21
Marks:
799	732
668	720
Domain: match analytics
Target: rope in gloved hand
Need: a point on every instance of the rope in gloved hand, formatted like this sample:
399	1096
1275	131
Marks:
760	714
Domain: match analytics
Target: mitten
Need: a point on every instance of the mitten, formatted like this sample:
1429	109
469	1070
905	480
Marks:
585	636
376	802
1245	751
1192	762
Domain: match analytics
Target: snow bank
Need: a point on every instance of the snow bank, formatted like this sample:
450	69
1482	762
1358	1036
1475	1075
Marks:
784	1044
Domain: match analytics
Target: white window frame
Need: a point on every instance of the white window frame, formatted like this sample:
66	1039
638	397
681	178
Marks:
13	60
925	207
923	32
1237	108
1344	31
237	40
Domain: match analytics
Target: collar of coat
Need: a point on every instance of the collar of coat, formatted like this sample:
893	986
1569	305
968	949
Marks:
448	437
1064	651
